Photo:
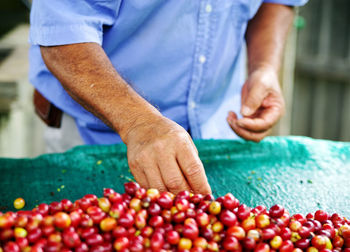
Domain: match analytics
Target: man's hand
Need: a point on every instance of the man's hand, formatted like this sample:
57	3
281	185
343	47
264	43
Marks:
161	155
262	100
262	105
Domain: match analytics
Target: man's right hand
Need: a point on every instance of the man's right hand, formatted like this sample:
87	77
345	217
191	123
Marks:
162	155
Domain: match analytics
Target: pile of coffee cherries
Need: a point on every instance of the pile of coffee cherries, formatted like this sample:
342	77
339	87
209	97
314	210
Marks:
147	220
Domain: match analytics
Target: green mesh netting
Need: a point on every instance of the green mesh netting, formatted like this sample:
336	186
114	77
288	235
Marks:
300	173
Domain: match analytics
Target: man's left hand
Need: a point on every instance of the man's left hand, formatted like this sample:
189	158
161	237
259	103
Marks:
262	105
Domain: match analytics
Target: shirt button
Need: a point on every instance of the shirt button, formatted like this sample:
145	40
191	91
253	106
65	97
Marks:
208	8
202	59
192	104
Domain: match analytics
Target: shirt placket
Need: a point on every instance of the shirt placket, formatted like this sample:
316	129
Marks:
201	53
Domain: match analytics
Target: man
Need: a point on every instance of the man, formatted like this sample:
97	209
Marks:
154	70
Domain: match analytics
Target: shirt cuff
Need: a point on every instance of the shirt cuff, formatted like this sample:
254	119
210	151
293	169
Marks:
288	2
64	35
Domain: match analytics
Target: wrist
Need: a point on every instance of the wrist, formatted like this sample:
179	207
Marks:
263	66
137	122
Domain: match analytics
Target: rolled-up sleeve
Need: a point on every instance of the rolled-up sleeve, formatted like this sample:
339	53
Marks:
60	22
288	2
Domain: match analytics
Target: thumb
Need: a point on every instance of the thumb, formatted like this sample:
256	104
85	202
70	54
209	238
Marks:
253	99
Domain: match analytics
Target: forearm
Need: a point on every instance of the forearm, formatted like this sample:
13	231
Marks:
88	76
266	35
160	152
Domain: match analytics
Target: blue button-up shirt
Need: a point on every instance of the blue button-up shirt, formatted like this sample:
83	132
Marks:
186	57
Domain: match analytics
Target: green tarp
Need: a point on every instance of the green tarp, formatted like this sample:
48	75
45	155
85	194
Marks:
300	173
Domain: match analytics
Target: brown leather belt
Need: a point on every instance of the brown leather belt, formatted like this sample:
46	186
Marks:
49	113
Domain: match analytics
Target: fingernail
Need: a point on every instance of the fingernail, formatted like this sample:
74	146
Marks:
246	111
240	124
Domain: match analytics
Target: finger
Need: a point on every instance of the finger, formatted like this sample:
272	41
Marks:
154	178
253	99
172	176
246	134
140	178
265	120
193	170
138	174
231	117
251	136
192	143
